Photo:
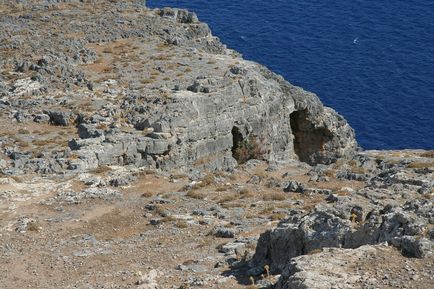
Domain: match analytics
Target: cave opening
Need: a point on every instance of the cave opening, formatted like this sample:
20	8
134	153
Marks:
309	141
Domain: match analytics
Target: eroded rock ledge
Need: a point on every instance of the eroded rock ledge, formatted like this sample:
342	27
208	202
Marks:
149	88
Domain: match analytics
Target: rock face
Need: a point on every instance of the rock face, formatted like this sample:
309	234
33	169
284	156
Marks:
394	207
335	227
195	111
333	268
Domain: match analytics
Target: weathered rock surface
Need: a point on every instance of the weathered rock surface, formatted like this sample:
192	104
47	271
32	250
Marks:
395	206
192	101
333	268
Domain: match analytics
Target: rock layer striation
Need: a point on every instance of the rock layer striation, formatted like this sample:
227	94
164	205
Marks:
151	88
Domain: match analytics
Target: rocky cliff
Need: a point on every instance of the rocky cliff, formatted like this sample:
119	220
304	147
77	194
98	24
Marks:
137	151
149	88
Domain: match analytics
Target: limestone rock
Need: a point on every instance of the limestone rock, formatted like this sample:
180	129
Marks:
342	225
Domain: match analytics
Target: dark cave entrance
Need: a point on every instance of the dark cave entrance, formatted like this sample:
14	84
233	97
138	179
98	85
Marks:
309	141
237	139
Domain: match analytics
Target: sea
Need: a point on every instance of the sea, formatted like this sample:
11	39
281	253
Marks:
372	61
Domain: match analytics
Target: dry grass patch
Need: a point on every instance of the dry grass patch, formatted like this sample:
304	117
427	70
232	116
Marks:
246	193
277	216
33	227
222	188
267	210
147	81
315	251
23	131
181	224
147	194
274	196
228	198
428	154
101	169
420	165
196	195
232	205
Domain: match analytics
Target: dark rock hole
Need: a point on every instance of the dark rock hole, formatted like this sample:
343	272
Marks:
309	141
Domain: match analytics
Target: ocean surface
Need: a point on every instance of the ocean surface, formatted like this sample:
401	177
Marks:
372	61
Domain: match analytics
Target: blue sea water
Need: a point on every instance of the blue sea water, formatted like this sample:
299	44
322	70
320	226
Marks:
372	61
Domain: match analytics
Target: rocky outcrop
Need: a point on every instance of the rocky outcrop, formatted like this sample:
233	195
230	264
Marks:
395	208
198	115
332	227
190	127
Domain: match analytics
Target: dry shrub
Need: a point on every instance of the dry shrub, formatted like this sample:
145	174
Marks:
169	218
33	226
181	224
309	207
315	251
178	176
330	173
43	142
147	194
222	188
101	169
232	205
428	154
208	180
196	195
420	165
23	131
248	149
267	210
246	193
228	198
277	216
107	69
147	81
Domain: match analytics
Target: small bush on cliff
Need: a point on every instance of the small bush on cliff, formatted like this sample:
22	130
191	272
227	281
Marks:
248	149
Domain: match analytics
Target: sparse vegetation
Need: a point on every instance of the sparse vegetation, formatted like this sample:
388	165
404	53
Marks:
181	224
274	196
315	251
420	165
23	131
246	193
101	169
277	216
196	195
228	198
428	154
248	149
